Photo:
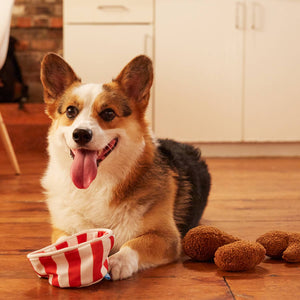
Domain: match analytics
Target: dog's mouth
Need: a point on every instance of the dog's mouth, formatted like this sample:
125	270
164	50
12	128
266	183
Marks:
86	162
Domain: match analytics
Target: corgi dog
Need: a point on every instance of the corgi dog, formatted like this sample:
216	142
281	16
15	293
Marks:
107	170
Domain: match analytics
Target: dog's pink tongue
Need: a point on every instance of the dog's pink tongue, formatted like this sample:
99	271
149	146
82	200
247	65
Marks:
84	168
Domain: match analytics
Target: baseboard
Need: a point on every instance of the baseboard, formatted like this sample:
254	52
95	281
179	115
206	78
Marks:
288	149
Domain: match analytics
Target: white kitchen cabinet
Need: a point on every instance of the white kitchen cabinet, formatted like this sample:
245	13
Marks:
99	52
272	71
227	71
198	63
102	36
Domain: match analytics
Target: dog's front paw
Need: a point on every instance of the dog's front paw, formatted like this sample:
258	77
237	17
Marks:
123	264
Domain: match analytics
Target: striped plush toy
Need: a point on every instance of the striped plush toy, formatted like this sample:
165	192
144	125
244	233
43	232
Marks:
79	260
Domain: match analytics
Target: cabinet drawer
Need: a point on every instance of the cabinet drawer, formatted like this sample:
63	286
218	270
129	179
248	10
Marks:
108	11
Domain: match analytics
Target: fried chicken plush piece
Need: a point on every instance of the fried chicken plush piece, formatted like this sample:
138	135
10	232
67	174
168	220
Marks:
239	256
281	244
201	242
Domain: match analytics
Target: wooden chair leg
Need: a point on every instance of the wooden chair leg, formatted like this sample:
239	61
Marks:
8	146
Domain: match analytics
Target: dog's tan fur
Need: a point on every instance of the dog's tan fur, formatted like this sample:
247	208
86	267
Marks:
57	234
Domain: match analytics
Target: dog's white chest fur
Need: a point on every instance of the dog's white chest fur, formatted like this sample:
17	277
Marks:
74	210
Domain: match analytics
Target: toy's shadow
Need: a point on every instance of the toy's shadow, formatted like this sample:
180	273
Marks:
210	267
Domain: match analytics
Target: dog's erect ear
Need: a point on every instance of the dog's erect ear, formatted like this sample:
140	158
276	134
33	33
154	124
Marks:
136	79
56	76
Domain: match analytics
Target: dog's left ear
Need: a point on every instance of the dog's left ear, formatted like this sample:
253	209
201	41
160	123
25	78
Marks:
136	80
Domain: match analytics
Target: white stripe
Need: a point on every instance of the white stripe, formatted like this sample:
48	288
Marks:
91	235
103	271
38	267
62	269
106	248
72	242
50	279
87	263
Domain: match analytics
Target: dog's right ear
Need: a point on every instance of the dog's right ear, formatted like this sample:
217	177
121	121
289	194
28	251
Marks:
56	77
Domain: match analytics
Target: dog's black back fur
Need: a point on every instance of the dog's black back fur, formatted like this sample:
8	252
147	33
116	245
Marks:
193	182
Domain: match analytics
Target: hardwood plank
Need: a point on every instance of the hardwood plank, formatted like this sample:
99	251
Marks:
27	128
270	287
251	230
20	245
32	114
26	230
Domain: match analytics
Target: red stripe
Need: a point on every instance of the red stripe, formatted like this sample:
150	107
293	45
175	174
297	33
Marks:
106	264
50	268
82	238
101	233
112	241
74	261
97	250
61	246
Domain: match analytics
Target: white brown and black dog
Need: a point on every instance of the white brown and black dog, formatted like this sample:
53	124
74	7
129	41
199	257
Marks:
106	170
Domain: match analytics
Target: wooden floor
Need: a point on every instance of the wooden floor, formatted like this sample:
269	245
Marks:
248	198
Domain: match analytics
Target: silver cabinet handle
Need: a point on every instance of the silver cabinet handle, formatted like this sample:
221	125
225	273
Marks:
112	7
258	16
239	7
253	22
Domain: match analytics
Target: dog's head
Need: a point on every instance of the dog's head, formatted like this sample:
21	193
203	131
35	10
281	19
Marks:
93	121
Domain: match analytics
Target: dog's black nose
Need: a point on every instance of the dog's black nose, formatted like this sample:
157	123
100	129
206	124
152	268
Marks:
82	136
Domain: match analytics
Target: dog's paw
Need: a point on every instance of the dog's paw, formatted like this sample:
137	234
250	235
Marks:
123	264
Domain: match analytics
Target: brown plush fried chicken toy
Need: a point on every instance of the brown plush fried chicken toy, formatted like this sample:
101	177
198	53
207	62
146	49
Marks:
239	256
201	242
280	244
207	243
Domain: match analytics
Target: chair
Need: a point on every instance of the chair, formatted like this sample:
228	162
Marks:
5	16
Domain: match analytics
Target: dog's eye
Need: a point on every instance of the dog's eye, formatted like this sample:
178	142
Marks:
72	112
107	115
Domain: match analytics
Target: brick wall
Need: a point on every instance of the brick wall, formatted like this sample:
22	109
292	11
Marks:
37	25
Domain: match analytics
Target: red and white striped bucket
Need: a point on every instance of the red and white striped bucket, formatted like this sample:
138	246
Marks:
79	260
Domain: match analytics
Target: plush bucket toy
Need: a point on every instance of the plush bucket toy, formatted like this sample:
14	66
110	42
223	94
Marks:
77	261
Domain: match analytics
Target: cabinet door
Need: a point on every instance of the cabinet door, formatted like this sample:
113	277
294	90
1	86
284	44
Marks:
272	71
198	59
98	53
